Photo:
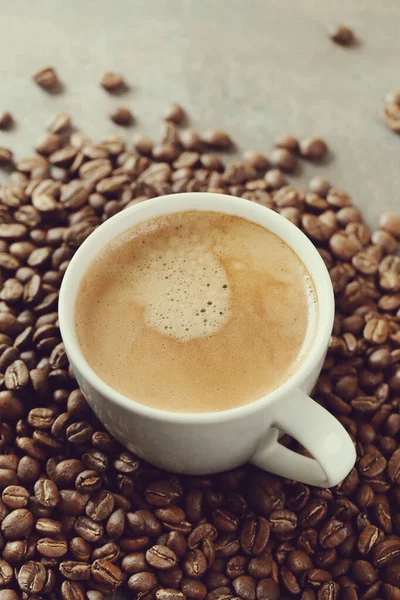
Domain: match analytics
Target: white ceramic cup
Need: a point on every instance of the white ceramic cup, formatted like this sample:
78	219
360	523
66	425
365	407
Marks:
206	443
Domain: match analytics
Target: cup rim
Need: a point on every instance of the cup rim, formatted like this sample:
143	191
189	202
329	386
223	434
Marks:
198	201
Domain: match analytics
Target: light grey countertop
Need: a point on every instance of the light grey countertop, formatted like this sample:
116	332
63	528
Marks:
254	68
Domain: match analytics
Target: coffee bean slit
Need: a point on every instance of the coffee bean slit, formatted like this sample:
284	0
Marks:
80	516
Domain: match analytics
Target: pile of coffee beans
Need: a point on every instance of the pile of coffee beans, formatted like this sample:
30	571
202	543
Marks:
82	517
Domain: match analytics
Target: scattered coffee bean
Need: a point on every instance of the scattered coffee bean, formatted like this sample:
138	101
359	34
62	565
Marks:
6	120
112	81
342	35
174	112
6	157
215	138
282	158
121	116
390	222
313	148
46	78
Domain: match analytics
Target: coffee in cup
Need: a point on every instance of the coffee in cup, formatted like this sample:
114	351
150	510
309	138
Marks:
196	311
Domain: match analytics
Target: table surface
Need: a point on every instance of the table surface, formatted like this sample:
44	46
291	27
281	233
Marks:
255	68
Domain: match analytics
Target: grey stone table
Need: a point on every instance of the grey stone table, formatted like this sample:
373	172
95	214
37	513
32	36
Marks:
252	67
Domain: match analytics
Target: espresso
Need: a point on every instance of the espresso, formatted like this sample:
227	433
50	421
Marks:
196	312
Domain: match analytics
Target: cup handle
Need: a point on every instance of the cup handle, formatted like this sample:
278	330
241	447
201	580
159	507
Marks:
318	431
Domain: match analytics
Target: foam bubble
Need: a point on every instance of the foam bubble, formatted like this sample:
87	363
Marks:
195	303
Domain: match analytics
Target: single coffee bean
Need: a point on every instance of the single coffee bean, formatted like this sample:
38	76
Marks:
329	590
289	581
369	537
193	589
100	506
106	573
32	577
386	552
142	583
254	536
46	78
17	524
48	527
332	534
8	594
245	587
88	529
52	547
143	522
46	492
283	521
260	566
75	570
161	557
71	503
298	562
80	549
363	572
194	564
112	81
267	589
121	116
15	496
72	590
6	573
342	35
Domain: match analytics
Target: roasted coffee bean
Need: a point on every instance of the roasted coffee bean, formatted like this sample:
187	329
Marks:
15	496
80	549
112	81
283	521
245	587
71	590
6	573
267	589
88	529
107	574
342	35
143	522
386	552
134	563
100	506
313	513
8	594
254	536
142	583
289	581
72	503
193	589
46	492
48	527
298	562
46	78
332	534
75	570
52	547
194	564
161	557
32	577
121	116
17	524
369	537
363	572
